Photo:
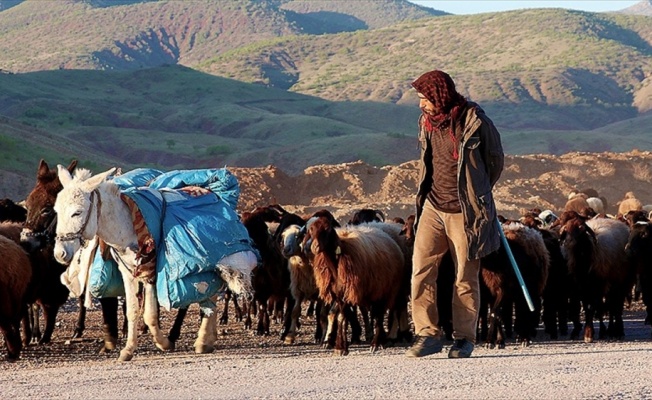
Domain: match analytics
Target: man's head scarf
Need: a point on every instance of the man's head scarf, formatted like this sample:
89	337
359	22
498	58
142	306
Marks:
438	88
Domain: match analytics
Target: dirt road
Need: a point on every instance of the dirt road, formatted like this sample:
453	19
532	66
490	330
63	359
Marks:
248	366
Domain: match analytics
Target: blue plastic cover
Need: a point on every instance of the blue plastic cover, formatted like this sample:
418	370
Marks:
104	278
192	234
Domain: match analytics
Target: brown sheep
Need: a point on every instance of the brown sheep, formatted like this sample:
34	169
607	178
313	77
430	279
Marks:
576	202
357	266
629	203
15	276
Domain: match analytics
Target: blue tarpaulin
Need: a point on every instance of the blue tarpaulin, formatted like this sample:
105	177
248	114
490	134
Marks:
192	234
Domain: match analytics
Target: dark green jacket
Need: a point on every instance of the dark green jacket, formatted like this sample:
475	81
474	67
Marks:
479	166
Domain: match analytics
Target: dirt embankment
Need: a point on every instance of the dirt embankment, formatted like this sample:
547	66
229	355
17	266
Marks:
538	180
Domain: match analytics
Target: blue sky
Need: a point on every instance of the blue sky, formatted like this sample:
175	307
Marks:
480	6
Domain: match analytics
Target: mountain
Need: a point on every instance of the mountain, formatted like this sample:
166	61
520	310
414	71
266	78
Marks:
641	8
185	84
551	69
131	34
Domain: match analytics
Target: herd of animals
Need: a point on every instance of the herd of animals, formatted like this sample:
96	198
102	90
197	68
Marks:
583	262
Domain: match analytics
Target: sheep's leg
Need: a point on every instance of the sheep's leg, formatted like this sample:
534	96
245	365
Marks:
508	318
11	332
330	336
224	319
312	309
34	321
589	312
351	315
50	316
617	331
287	315
368	325
380	337
131	301
206	336
150	316
647	298
562	315
279	313
110	325
574	311
236	308
319	322
295	313
341	345
27	329
263	319
249	308
549	315
81	319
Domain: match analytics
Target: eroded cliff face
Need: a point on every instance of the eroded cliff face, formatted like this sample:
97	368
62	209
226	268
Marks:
538	180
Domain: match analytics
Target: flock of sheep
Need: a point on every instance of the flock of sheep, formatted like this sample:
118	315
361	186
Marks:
582	262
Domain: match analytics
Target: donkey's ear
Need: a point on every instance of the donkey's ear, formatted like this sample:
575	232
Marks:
64	176
94	181
72	166
43	169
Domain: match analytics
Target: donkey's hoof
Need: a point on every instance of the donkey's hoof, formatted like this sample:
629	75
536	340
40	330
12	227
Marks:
110	343
204	348
125	356
289	339
165	345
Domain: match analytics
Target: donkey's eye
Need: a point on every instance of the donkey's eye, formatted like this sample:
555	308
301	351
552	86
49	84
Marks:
47	211
76	214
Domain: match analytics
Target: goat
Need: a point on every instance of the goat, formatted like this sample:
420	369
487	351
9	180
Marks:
15	277
355	266
598	267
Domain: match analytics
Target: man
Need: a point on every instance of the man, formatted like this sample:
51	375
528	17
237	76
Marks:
461	160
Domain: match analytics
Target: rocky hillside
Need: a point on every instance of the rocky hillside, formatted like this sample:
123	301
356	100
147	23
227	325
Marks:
641	8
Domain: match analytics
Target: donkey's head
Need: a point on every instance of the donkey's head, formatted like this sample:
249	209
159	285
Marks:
77	207
41	218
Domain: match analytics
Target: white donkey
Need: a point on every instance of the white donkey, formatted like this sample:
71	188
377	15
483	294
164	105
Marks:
91	206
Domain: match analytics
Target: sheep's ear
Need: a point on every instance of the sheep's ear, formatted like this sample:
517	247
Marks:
94	181
64	175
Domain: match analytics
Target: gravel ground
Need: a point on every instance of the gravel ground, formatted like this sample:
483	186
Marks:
248	366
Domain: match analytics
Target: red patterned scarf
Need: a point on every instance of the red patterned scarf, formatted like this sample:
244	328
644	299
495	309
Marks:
438	87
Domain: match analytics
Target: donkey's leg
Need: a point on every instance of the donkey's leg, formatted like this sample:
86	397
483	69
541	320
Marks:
131	301
207	334
81	319
150	316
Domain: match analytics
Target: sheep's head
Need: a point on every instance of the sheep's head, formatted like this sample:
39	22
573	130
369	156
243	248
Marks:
638	245
322	238
577	242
